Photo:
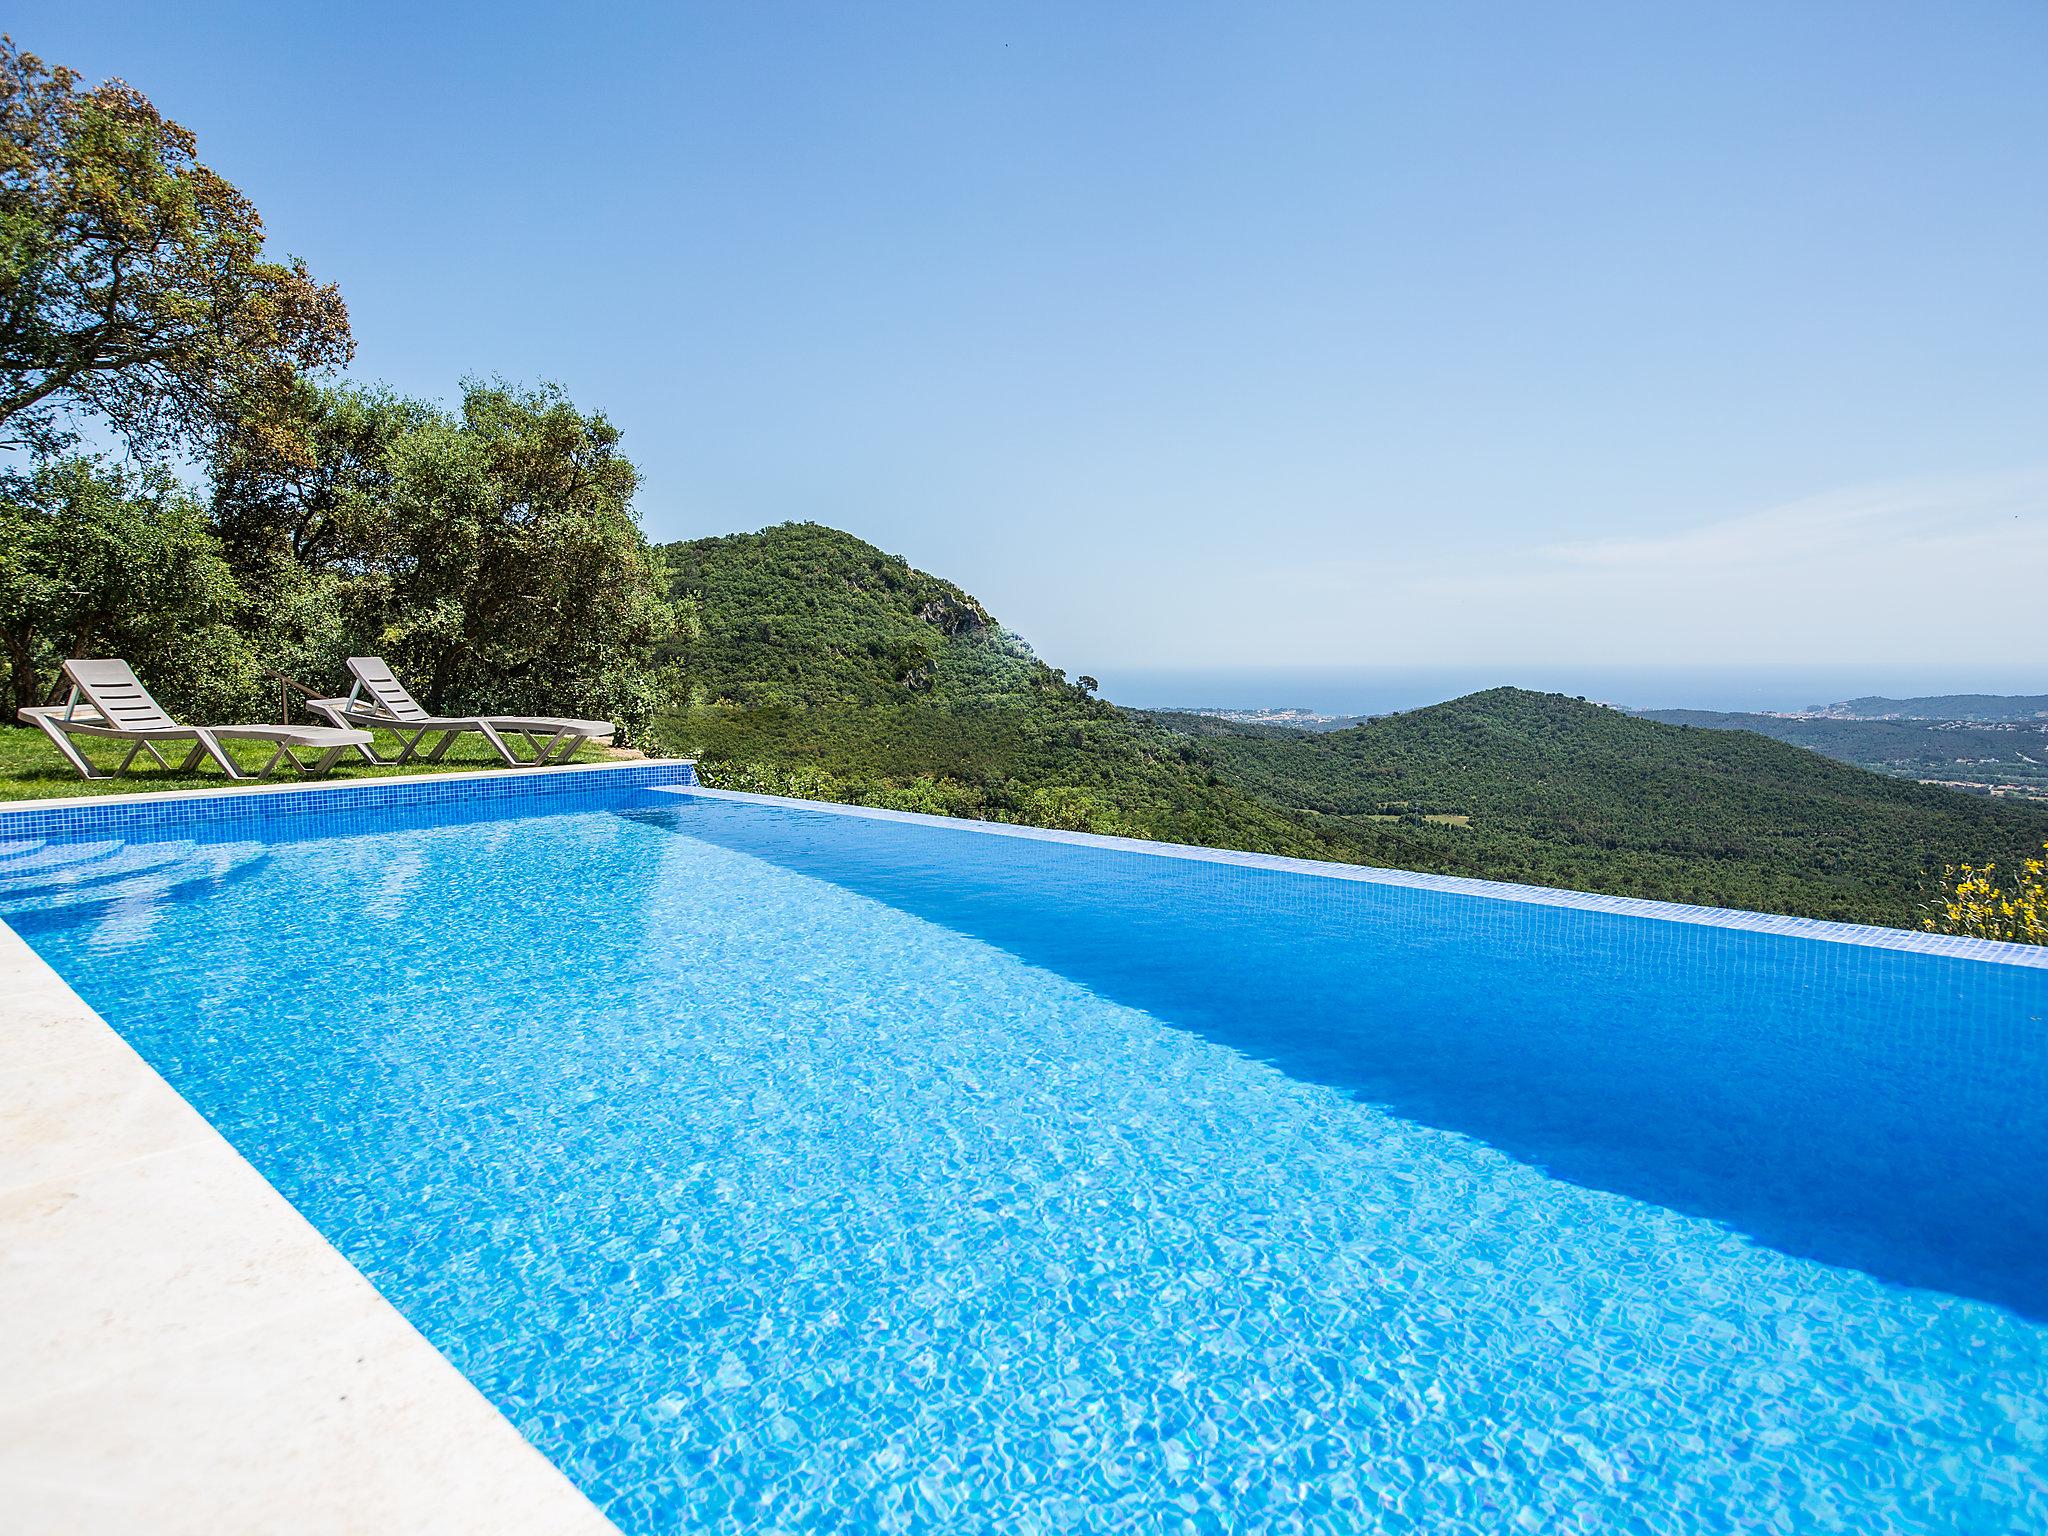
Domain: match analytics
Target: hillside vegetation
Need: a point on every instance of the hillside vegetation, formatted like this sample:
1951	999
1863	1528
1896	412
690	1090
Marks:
814	664
2010	757
1568	793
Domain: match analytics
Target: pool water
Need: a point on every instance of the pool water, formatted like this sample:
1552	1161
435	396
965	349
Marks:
787	1170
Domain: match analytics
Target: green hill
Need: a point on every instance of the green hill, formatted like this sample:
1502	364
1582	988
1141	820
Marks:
803	615
817	665
1563	792
2011	756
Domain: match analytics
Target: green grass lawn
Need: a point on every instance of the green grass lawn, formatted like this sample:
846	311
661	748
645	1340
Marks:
30	768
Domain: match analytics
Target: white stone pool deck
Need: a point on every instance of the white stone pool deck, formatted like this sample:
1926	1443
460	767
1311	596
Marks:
180	1350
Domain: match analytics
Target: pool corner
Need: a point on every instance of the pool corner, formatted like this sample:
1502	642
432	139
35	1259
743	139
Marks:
183	1351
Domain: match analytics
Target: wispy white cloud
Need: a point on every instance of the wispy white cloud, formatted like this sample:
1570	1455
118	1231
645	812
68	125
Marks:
1979	510
1948	570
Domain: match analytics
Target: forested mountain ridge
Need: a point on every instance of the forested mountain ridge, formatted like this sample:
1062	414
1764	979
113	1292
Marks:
811	663
1563	792
814	664
801	614
2002	757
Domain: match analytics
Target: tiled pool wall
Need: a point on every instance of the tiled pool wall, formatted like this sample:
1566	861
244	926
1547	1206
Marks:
290	812
1953	945
316	809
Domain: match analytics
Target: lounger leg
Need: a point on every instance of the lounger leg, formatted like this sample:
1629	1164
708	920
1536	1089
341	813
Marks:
72	755
447	740
498	741
318	766
282	752
191	762
412	745
137	747
219	754
560	747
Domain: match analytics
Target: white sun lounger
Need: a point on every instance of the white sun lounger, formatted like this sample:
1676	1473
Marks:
108	701
378	701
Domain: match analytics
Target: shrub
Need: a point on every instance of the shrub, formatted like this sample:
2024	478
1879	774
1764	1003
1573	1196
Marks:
1982	904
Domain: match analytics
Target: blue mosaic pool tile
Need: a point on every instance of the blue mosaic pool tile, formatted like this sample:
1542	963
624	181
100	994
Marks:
197	810
1868	935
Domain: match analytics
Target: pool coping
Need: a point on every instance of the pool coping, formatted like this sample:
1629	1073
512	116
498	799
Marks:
244	791
1952	946
183	1350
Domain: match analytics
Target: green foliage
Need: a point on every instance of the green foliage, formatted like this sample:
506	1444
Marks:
802	614
133	285
492	556
1986	902
97	563
821	667
1567	793
326	509
2012	754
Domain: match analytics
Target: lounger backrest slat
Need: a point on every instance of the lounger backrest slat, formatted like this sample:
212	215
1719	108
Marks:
385	689
112	688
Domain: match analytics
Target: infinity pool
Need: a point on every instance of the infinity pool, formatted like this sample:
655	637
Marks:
790	1170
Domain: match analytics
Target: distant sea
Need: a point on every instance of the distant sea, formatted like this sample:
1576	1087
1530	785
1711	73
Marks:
1376	691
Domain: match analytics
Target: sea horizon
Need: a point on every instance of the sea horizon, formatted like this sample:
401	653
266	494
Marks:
1384	690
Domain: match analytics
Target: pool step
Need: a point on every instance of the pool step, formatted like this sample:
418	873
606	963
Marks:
119	863
32	862
103	874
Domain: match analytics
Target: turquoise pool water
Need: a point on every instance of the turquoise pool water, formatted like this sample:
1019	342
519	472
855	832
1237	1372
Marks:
779	1170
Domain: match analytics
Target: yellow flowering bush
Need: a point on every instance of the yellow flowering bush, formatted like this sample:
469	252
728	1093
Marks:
1981	904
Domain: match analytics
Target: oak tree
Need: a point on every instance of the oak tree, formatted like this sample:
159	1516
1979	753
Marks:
134	287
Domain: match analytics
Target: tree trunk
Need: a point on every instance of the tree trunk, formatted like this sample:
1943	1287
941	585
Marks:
23	685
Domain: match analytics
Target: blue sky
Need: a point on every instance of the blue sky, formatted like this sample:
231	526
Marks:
1206	335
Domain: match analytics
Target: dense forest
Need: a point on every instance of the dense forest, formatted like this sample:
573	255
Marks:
1563	792
2011	756
813	664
